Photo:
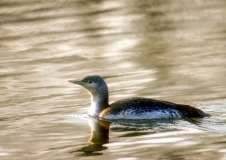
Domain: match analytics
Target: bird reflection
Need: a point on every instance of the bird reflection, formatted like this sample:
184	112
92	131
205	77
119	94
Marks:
100	131
99	137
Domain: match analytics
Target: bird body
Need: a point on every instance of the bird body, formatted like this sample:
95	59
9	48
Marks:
132	108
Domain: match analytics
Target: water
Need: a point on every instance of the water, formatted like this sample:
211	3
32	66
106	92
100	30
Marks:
168	50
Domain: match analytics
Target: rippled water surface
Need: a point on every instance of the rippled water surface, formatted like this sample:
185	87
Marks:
167	50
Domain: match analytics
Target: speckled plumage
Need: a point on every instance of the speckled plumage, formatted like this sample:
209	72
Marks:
140	108
132	108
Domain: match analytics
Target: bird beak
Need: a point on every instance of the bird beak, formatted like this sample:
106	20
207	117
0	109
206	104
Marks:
75	82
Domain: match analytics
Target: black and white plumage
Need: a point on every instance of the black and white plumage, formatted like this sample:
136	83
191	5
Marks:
132	108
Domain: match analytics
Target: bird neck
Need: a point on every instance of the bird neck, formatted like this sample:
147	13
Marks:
99	102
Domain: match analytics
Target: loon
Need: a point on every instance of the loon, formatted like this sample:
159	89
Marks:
131	108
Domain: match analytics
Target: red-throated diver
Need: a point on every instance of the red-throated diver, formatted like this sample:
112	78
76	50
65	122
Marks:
131	108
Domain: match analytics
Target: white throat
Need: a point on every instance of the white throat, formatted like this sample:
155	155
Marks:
93	109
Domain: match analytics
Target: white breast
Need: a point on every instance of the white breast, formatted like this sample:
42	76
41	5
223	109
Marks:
93	111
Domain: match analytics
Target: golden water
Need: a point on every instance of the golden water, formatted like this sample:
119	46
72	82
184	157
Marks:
168	50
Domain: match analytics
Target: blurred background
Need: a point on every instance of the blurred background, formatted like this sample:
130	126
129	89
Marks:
169	50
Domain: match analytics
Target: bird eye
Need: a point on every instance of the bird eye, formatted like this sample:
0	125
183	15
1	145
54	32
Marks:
90	82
